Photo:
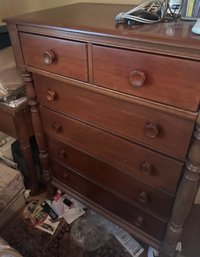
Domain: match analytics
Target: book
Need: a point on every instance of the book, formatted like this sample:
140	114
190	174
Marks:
128	242
196	9
190	9
190	6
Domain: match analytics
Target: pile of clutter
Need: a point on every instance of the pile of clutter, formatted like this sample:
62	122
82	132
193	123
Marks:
6	156
89	230
47	215
12	89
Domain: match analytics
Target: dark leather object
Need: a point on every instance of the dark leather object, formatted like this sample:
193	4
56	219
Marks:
4	37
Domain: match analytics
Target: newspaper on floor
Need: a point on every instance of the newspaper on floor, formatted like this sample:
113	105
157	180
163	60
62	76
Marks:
34	214
71	213
48	226
128	242
66	207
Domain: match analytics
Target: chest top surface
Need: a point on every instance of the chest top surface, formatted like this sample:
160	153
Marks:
99	20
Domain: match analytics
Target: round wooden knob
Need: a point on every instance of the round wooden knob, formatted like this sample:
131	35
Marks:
61	153
146	168
66	176
143	198
51	95
139	221
137	78
56	127
48	57
151	129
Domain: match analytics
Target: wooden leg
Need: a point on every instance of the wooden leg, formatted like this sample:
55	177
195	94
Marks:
38	131
185	196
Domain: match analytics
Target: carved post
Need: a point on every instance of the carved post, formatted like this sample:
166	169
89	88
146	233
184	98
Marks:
185	196
38	130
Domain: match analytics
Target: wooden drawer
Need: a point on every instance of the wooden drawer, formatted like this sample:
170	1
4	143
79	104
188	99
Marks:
125	156
138	218
134	190
163	177
64	57
13	119
7	123
167	80
166	132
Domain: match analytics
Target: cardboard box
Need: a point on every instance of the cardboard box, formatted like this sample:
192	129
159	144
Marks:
11	185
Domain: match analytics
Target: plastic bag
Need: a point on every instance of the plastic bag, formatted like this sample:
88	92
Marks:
10	81
89	232
7	59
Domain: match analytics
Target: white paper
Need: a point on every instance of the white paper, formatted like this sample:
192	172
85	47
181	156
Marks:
48	226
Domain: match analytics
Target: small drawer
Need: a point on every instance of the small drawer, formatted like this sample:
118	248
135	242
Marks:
167	80
133	189
166	132
64	57
130	158
95	193
13	118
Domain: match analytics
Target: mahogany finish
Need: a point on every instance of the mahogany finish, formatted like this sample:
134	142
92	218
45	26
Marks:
132	121
118	107
55	55
93	19
106	147
134	190
114	68
117	205
147	166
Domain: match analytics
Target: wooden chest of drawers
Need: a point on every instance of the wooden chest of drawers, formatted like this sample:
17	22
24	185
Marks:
114	109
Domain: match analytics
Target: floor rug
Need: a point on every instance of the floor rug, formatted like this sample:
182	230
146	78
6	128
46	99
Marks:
31	242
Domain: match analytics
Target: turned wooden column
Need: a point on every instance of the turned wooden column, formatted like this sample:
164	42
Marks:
38	130
185	196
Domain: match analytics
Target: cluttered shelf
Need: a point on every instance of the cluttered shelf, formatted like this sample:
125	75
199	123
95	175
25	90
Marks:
14	110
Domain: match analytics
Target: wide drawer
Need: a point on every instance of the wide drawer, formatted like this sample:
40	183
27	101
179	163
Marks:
136	217
133	189
168	80
130	158
164	131
64	57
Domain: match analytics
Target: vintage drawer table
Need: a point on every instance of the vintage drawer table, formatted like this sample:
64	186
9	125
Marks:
16	122
115	113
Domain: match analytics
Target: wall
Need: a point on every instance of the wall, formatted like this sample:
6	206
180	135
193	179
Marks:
13	7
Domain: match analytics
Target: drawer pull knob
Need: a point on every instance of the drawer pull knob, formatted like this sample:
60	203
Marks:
61	154
139	222
48	57
56	127
151	129
143	198
51	95
146	168
66	176
137	78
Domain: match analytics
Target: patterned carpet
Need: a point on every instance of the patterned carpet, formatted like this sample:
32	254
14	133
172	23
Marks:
31	242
